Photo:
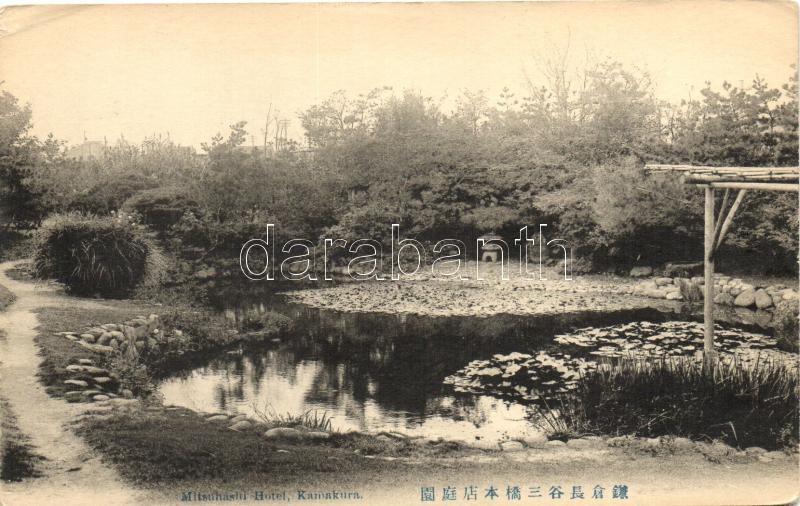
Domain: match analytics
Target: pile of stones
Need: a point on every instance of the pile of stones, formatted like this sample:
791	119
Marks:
243	423
728	291
90	383
141	332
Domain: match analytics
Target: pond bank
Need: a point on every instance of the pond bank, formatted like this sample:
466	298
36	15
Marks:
177	449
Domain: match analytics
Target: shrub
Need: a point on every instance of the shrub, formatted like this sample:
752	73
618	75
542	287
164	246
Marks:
14	245
742	405
133	375
110	195
161	207
90	255
268	323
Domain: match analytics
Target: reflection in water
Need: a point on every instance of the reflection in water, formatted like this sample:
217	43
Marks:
376	372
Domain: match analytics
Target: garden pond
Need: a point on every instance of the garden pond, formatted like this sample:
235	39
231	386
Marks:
466	378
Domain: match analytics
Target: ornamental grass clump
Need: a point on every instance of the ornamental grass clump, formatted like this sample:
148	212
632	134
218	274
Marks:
741	404
97	256
311	419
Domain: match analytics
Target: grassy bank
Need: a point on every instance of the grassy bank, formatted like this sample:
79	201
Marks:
159	447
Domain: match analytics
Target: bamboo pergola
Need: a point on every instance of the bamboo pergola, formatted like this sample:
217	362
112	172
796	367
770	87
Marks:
739	179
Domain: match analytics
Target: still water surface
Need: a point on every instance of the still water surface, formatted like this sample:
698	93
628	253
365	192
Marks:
377	372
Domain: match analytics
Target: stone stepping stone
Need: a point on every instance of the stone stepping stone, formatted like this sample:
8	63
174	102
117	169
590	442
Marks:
74	396
76	383
315	434
283	433
512	446
88	369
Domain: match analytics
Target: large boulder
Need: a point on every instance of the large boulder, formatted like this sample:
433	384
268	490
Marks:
641	272
725	299
745	299
762	299
745	315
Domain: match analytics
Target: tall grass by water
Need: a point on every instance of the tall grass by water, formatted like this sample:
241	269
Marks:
311	419
743	405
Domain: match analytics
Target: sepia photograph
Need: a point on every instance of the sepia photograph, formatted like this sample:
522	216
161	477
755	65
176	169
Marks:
350	253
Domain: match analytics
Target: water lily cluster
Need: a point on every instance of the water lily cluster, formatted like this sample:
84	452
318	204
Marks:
675	338
521	377
529	379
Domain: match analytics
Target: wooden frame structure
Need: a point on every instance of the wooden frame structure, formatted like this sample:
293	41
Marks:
740	179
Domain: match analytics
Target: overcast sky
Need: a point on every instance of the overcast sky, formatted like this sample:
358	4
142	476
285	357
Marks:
193	70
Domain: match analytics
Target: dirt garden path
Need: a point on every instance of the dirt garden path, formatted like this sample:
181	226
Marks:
72	473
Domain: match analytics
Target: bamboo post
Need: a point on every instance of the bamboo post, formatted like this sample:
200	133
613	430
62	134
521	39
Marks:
722	208
719	236
708	258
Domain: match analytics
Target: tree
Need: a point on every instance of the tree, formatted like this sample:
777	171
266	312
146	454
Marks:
19	203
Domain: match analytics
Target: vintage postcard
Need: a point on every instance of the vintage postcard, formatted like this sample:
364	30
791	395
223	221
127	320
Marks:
531	253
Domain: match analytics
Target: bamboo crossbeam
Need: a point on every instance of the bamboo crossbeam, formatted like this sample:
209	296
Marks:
700	174
712	169
763	180
781	187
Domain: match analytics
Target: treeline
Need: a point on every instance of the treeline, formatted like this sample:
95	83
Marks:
568	153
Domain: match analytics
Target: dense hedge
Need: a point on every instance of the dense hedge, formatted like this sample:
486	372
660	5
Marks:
96	256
